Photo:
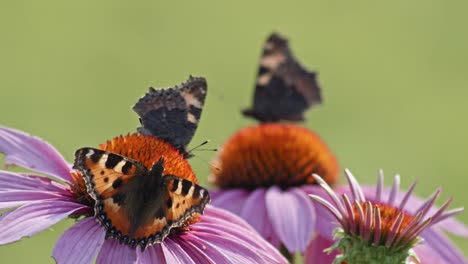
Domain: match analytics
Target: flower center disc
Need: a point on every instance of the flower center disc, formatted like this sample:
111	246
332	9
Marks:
147	150
269	154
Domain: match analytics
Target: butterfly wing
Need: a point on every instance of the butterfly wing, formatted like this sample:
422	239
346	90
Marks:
106	175
172	114
284	88
180	200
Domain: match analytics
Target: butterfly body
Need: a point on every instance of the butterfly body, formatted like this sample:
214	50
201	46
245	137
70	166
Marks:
284	88
137	206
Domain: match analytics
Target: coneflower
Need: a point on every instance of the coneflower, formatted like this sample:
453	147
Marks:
376	225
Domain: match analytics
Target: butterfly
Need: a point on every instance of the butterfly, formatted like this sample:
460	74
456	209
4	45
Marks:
284	88
137	206
172	114
140	206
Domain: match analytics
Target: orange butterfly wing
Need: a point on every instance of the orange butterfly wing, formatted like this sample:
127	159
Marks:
105	175
181	200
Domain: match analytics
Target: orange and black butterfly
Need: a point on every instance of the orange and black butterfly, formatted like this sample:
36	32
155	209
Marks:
137	205
284	88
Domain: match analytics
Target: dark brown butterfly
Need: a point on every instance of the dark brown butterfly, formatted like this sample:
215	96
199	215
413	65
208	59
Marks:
284	88
172	114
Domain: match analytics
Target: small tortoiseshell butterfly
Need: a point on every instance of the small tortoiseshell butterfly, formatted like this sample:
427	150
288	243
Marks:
284	89
172	114
137	206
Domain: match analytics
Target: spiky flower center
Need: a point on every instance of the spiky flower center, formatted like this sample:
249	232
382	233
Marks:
389	220
376	233
269	154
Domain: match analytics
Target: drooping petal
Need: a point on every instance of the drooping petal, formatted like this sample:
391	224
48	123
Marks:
223	223
315	254
114	252
256	214
427	255
231	200
326	223
229	249
442	246
16	181
33	218
33	153
80	244
293	217
9	199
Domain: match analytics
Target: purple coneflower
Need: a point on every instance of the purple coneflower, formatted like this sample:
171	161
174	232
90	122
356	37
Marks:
216	236
377	225
264	173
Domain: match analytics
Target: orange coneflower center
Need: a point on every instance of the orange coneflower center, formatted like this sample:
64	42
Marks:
388	216
270	154
147	150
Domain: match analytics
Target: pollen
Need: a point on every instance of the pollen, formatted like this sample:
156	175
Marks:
148	150
268	154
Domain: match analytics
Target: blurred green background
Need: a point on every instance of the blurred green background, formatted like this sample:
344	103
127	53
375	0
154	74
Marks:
393	77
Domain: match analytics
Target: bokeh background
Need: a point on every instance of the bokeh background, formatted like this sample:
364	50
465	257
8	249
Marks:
393	77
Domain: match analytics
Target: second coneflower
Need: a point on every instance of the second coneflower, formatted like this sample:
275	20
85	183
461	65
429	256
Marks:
379	225
264	172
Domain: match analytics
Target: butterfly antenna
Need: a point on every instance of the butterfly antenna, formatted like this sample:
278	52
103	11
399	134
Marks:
209	163
197	148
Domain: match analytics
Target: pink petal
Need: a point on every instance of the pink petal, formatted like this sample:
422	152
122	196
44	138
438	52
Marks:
33	218
190	246
80	244
225	224
231	200
314	253
224	249
152	254
325	221
293	217
255	213
426	255
113	252
9	199
218	215
15	181
174	253
33	153
442	246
